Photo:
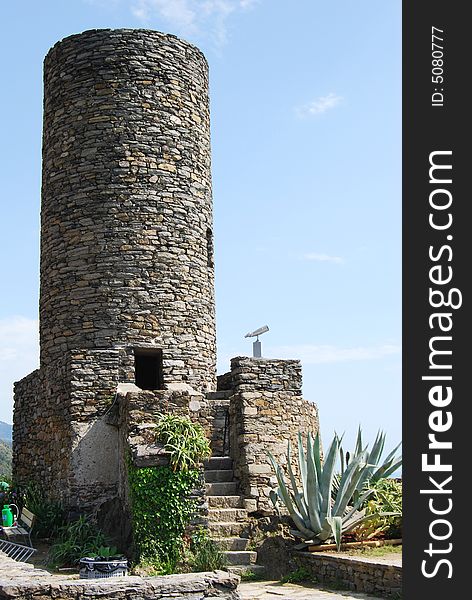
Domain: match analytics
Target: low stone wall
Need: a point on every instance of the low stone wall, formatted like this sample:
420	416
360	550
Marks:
41	428
23	581
266	411
213	416
356	574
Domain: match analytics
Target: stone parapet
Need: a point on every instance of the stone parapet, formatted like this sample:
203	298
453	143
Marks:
126	208
42	438
21	581
266	411
352	573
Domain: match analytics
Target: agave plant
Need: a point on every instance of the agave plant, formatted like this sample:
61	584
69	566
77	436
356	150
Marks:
316	513
376	470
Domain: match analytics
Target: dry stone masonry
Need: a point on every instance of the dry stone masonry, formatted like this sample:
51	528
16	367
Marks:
21	581
382	578
266	412
127	315
127	273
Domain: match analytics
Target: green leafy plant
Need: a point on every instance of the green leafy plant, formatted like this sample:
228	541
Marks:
161	509
318	514
50	514
78	540
150	567
204	553
298	576
184	440
377	468
386	498
250	575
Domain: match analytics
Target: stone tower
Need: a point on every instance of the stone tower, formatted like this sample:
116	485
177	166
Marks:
127	275
127	316
126	239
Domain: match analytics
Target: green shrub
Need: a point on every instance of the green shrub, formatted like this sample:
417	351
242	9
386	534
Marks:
185	440
50	514
150	567
386	498
298	576
78	540
204	553
161	510
160	496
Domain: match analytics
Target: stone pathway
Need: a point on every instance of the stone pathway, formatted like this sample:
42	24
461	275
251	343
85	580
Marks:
274	590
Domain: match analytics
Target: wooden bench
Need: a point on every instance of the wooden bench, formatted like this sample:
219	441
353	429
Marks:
23	529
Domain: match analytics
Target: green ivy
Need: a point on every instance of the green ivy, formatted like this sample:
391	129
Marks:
161	510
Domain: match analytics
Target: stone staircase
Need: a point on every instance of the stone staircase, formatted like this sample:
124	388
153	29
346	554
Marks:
228	519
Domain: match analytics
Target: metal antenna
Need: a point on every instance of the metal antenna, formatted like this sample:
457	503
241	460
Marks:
256	345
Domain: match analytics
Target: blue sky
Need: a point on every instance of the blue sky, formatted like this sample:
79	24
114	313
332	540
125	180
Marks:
306	140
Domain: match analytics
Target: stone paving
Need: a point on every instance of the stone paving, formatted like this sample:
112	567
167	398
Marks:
274	590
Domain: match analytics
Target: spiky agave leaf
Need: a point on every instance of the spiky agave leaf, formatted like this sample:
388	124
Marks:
297	496
285	496
341	457
346	487
326	483
358	449
336	525
313	487
302	462
317	454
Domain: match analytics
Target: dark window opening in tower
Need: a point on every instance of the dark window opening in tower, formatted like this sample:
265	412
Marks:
148	369
209	237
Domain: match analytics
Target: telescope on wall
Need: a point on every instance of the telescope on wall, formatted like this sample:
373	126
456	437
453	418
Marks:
256	345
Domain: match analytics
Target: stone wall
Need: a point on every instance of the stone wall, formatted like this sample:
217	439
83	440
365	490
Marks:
61	438
126	251
42	438
126	211
21	581
266	411
213	416
355	574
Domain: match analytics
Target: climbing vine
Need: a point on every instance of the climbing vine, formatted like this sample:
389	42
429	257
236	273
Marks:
161	501
161	510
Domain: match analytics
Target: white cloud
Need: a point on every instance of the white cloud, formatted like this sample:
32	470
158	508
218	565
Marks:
180	13
319	105
314	355
192	18
19	355
317	257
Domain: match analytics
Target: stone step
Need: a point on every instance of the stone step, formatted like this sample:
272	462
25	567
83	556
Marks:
215	476
231	543
220	529
219	395
226	515
225	501
227	488
240	557
218	463
257	570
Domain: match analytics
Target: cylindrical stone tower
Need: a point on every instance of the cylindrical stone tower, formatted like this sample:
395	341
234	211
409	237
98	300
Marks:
127	241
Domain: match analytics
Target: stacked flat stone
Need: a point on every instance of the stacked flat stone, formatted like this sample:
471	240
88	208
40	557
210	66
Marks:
126	250
21	581
126	241
266	411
